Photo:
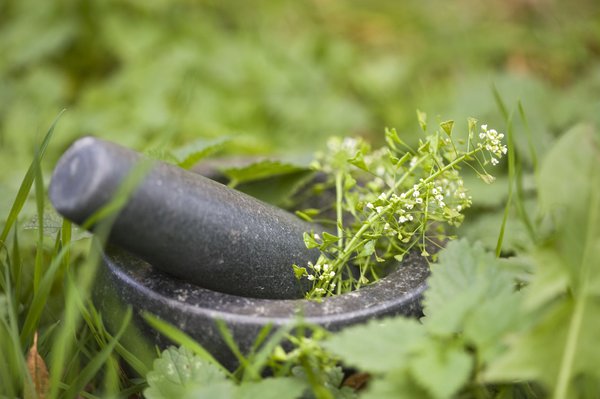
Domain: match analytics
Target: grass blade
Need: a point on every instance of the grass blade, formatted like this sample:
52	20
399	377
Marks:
27	182
511	171
39	201
97	361
40	298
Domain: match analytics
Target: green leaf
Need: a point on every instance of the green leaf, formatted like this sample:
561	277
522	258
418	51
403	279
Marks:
329	238
359	161
261	170
278	190
441	370
177	372
380	345
190	154
309	240
447	127
465	278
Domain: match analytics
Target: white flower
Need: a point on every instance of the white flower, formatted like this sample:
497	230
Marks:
326	267
382	196
434	191
332	274
419	200
386	226
310	277
318	267
495	161
484	128
409	206
319	290
316	236
402	219
379	209
331	286
416	193
459	208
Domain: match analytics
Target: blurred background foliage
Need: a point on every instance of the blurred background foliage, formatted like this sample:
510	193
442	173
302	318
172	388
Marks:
281	76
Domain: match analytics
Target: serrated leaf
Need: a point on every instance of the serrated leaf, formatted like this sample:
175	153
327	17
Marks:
441	370
178	371
379	346
261	170
464	277
447	127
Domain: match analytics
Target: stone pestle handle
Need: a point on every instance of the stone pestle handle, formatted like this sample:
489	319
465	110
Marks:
185	224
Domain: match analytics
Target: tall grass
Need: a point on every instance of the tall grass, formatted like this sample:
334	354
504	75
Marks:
82	358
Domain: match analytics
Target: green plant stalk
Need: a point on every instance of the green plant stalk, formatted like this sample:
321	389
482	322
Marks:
511	182
339	179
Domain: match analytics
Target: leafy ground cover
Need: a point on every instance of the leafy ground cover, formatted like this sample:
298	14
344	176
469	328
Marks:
512	309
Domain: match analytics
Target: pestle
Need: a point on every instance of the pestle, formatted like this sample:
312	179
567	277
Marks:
184	224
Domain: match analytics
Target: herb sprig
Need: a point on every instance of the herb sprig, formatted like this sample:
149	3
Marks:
392	200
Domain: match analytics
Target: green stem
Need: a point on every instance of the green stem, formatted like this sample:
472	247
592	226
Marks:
339	179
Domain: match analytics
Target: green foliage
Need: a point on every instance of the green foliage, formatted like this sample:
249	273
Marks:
470	305
175	78
559	348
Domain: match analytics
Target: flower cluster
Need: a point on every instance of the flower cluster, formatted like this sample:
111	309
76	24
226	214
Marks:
323	273
492	142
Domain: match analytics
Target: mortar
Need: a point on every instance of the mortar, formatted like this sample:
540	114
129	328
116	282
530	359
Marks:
192	251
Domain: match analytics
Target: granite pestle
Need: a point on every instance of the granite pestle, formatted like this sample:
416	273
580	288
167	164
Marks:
184	224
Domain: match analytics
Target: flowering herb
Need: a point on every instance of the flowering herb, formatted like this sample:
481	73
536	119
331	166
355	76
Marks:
390	201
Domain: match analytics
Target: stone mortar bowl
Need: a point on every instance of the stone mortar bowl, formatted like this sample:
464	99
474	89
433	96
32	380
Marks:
192	251
126	280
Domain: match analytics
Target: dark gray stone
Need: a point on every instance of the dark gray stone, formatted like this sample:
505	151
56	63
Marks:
126	280
184	224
